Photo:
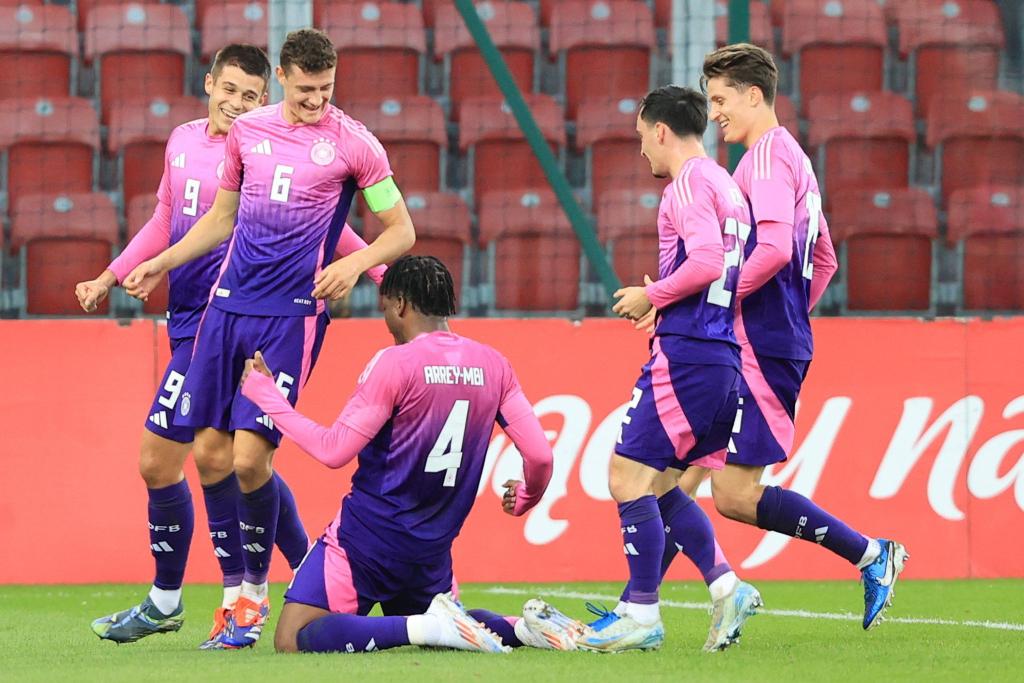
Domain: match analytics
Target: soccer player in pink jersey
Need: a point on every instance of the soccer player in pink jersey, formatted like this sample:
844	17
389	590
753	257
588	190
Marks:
790	261
193	162
419	424
685	400
290	173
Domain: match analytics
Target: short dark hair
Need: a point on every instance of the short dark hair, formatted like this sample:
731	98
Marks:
424	282
310	50
743	65
683	110
249	58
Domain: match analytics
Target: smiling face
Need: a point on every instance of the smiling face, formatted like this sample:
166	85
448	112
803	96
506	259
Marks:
306	95
733	108
232	93
652	147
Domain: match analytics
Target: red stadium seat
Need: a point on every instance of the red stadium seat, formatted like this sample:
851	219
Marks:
978	138
760	24
137	134
838	46
442	229
514	31
501	157
886	248
605	46
233	22
140	210
36	48
627	223
862	140
412	129
380	45
50	145
532	253
986	224
85	7
606	133
140	50
56	230
952	45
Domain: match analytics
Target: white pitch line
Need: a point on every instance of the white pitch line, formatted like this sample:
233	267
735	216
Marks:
799	613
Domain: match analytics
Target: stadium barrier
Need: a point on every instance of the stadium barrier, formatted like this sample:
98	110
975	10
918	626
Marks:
907	428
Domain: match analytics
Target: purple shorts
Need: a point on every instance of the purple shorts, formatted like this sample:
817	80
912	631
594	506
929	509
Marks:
211	395
681	413
767	407
160	419
339	581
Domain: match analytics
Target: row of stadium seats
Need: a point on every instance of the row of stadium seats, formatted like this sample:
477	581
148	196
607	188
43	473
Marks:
524	255
607	48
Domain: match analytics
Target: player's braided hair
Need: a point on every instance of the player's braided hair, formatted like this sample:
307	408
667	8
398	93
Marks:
424	282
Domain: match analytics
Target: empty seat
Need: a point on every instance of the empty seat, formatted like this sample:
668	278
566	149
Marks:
514	31
862	140
886	248
85	7
232	22
604	47
760	24
50	145
63	239
533	255
978	138
606	133
500	157
380	45
140	210
951	45
37	44
412	130
838	46
137	134
442	229
627	224
138	48
986	224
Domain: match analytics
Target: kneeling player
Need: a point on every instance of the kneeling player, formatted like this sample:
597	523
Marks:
419	423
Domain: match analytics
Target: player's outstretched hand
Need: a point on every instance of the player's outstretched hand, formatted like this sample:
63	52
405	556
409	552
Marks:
257	364
337	279
508	501
91	294
141	282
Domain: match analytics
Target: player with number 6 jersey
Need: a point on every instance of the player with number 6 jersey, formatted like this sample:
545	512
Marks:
290	174
790	261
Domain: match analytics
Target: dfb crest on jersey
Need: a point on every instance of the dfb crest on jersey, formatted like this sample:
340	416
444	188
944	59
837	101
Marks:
322	153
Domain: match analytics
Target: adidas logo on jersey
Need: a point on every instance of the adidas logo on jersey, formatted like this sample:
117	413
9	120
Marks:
159	419
266	421
178	161
263	147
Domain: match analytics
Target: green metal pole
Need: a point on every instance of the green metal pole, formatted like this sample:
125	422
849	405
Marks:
580	224
739	32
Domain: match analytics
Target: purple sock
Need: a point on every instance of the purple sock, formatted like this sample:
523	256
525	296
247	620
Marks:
499	624
689	531
787	512
643	541
222	516
171	519
291	535
352	633
257	520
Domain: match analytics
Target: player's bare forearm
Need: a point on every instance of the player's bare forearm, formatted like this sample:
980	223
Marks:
209	231
397	237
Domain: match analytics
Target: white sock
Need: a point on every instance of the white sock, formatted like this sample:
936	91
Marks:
255	591
723	585
871	553
644	614
423	629
231	594
621	608
165	600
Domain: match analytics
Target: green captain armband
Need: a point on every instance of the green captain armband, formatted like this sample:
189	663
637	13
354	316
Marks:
382	196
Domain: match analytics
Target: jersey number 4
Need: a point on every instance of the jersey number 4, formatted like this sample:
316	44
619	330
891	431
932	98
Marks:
446	455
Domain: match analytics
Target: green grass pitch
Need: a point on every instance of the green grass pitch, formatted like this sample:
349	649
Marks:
809	631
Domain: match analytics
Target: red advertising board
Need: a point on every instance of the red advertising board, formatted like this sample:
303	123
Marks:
905	428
